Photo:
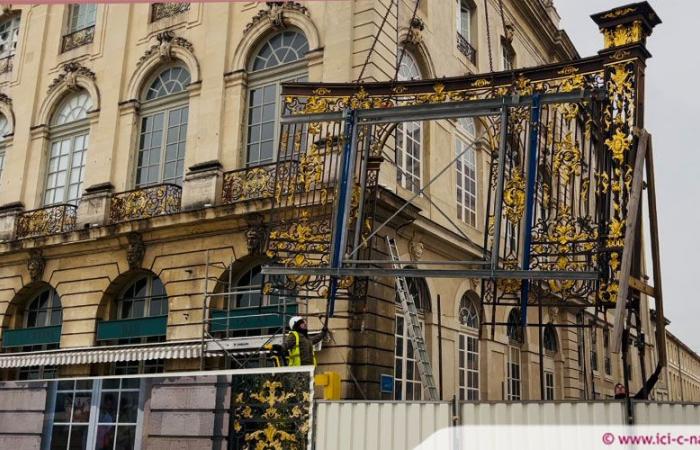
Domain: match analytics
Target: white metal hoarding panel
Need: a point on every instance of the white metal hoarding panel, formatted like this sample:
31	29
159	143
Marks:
666	413
377	425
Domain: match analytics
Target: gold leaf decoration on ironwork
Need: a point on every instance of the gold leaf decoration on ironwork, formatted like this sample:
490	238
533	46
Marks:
623	35
437	96
567	158
618	144
619	13
572	83
568	70
514	197
523	85
310	168
146	202
481	82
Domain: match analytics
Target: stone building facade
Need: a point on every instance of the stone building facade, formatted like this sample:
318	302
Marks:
136	156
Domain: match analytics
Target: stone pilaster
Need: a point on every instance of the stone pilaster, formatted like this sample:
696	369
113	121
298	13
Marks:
202	185
94	205
8	220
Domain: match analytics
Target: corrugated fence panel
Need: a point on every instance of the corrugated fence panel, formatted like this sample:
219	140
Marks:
377	425
666	414
541	413
404	425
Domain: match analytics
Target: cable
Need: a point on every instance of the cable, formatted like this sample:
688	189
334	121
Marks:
488	35
403	48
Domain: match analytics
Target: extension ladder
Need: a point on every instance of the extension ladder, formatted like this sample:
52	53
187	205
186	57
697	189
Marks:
415	332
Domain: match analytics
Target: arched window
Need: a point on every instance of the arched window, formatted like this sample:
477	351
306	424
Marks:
549	338
163	134
4	130
145	297
279	59
69	131
409	135
469	310
466	171
44	310
418	288
514	330
468	349
248	290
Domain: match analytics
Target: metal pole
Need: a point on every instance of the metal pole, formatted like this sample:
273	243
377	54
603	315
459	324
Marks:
540	332
347	171
439	311
363	182
530	201
499	188
205	312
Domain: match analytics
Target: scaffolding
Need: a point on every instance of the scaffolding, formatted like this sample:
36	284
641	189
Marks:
568	155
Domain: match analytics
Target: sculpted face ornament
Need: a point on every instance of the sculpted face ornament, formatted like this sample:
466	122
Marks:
36	264
135	251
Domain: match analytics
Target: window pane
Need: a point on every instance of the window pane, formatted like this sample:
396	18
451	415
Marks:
105	437
59	437
126	435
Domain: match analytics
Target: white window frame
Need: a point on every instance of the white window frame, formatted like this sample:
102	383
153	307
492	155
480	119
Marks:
81	20
411	180
165	105
296	71
13	23
93	422
464	142
76	129
513	374
549	385
464	27
404	360
469	386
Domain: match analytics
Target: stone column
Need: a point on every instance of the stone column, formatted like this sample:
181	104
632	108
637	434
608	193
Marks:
94	205
202	185
8	220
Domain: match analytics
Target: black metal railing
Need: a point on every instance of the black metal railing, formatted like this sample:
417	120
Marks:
254	183
163	10
44	221
78	38
466	48
145	202
6	63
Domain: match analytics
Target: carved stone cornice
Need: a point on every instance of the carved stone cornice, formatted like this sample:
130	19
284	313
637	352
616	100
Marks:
70	74
274	15
164	48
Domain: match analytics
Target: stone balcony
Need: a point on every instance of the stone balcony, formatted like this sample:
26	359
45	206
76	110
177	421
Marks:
255	183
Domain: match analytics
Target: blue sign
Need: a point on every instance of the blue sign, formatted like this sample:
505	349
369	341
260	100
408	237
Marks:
386	383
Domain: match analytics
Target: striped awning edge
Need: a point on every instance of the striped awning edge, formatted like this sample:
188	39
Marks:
90	356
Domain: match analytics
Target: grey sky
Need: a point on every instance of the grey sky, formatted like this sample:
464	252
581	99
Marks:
671	117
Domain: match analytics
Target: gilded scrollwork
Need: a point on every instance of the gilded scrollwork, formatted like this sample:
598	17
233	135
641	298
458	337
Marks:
271	411
514	197
567	158
145	202
45	221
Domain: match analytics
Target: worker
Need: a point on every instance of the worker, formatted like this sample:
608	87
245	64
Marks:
298	346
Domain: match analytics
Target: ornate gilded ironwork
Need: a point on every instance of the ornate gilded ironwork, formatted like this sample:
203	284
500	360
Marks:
45	221
623	35
271	411
163	10
255	183
145	202
78	38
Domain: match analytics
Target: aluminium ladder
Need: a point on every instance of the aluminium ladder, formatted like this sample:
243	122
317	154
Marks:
415	332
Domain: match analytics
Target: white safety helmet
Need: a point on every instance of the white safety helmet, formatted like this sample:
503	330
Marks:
293	321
